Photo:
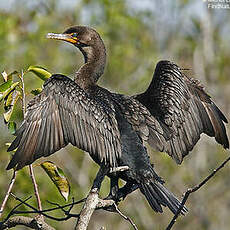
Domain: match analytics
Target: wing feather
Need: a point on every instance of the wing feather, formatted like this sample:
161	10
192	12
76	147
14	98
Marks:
63	113
184	108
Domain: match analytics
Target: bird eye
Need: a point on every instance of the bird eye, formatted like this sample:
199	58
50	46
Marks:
74	35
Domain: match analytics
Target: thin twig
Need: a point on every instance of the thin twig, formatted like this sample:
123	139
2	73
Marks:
13	210
69	216
8	192
71	206
192	190
35	187
56	208
66	212
30	166
125	217
108	205
51	209
38	211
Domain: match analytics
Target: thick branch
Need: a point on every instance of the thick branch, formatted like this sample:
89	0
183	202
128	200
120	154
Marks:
87	210
26	221
91	201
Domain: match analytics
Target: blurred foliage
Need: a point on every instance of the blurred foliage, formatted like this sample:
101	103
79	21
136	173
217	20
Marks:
137	34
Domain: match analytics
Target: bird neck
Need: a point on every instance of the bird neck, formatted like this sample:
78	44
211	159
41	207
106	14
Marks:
95	60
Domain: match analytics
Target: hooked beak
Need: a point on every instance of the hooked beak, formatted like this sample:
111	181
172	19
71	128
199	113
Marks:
63	37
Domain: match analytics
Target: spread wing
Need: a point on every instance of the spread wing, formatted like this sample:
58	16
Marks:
182	108
63	113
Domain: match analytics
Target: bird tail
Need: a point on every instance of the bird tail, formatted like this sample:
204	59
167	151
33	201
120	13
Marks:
157	195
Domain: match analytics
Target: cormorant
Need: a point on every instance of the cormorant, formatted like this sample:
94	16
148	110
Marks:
170	116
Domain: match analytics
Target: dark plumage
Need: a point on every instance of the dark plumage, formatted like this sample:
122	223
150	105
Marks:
170	116
184	111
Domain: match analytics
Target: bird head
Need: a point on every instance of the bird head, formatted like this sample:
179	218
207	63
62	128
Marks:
79	36
89	42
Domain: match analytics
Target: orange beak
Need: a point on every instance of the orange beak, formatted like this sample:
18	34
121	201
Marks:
63	37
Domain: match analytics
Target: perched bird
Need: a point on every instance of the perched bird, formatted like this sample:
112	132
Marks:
170	116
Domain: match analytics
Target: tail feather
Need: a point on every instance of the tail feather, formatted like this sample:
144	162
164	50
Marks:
154	203
157	195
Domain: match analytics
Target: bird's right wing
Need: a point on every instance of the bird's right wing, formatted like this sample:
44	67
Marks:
63	113
183	109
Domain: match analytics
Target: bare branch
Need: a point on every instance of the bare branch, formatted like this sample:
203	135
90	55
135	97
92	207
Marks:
12	211
66	212
34	223
126	217
87	210
43	212
37	211
194	189
108	205
52	209
35	187
8	192
91	201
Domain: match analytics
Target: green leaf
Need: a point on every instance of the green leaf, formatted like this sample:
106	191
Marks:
41	72
36	91
58	177
11	87
12	127
9	104
6	85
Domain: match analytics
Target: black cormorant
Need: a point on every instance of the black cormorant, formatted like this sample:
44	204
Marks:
170	116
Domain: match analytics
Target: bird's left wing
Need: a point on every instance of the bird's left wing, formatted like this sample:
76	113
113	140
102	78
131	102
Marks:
63	113
183	109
